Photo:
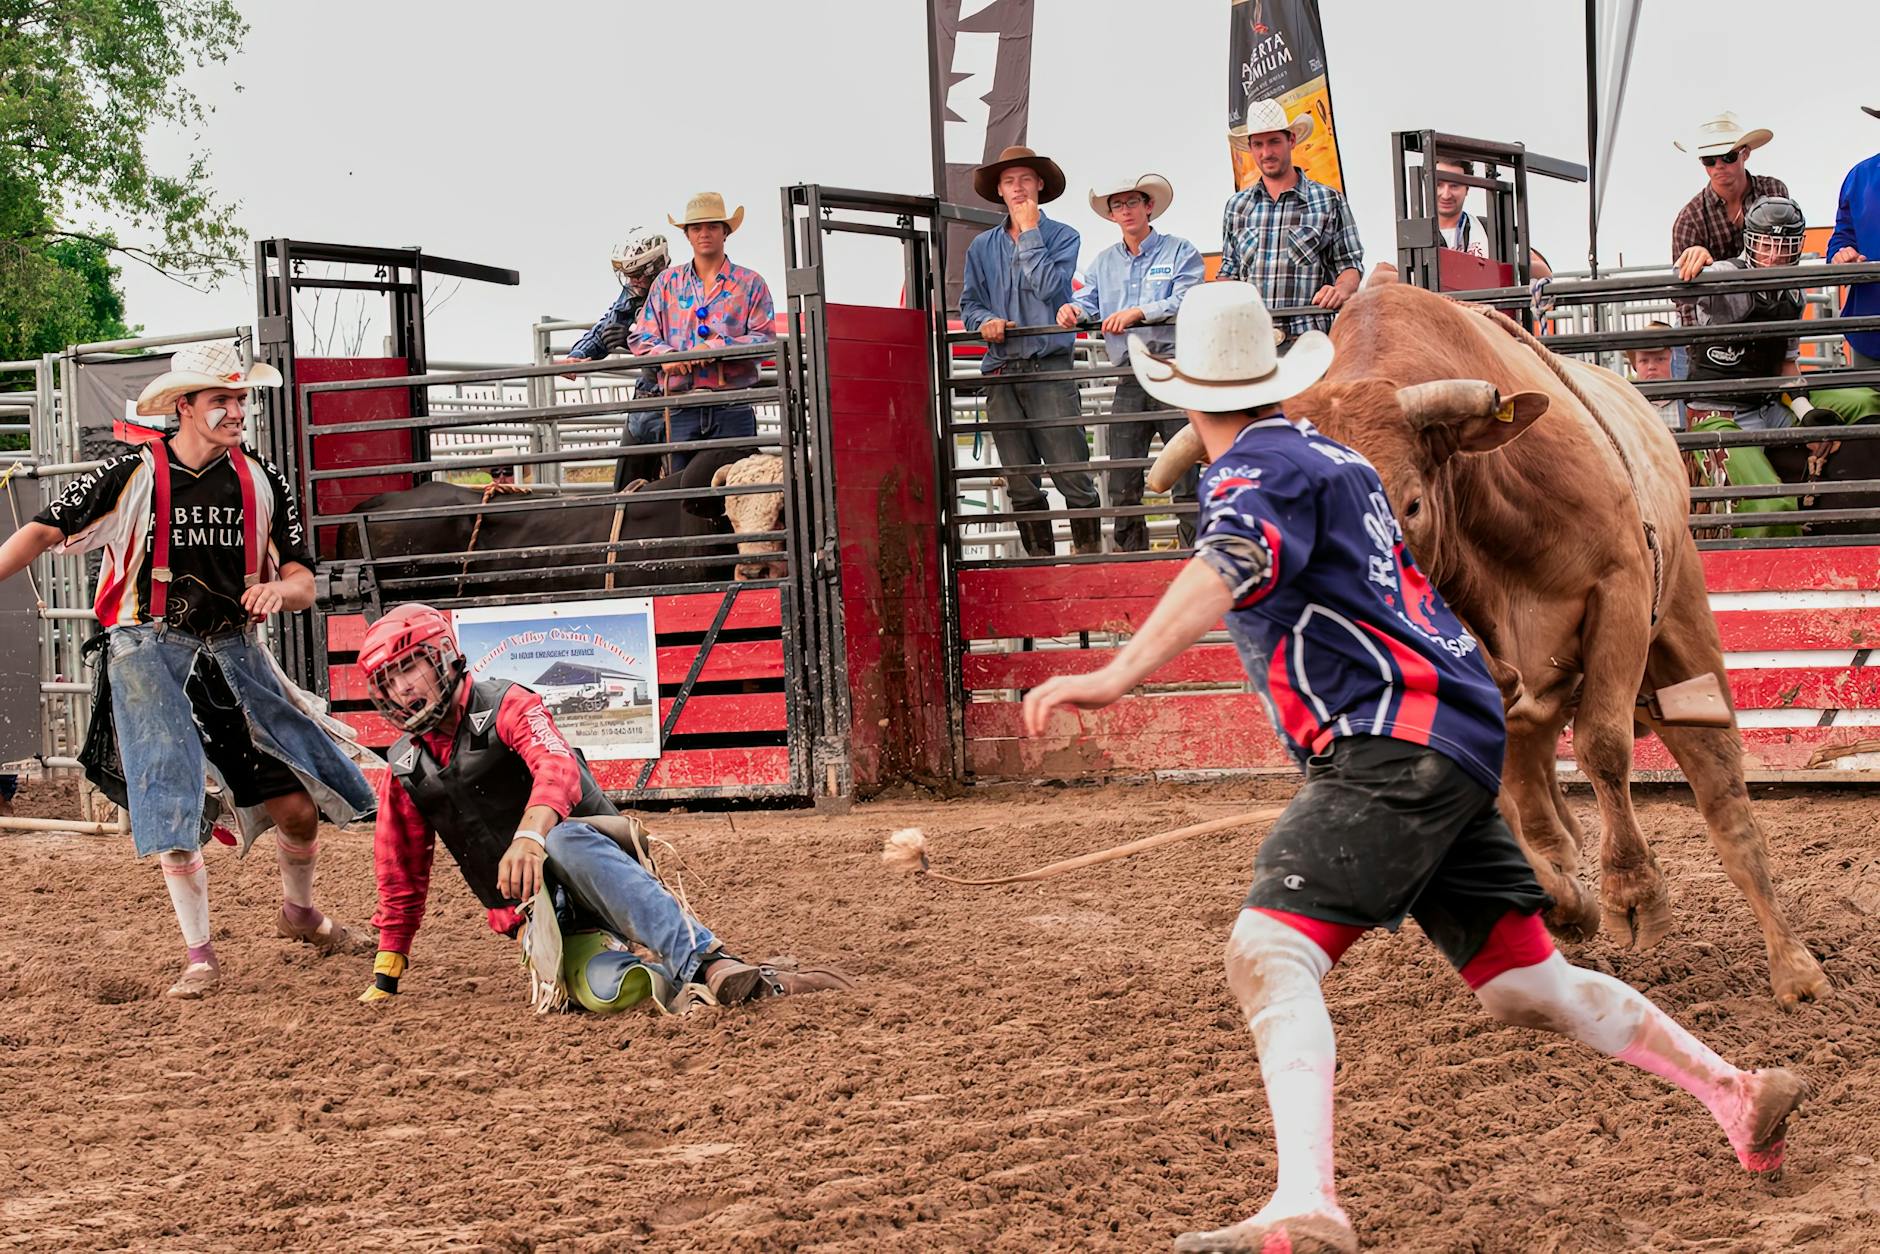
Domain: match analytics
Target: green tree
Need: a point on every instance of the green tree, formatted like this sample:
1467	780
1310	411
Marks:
82	84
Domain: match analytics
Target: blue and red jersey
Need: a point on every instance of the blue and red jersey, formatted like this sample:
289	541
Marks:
1340	632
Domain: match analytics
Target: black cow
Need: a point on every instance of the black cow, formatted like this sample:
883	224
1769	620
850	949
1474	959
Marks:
554	528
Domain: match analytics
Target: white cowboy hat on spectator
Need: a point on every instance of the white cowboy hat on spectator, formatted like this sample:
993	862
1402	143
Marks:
708	207
1721	134
1154	186
1269	115
1225	355
200	366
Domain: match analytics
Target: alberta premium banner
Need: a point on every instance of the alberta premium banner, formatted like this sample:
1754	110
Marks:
1276	51
981	103
592	663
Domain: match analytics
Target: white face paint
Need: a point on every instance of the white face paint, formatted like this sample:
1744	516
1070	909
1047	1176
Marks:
216	417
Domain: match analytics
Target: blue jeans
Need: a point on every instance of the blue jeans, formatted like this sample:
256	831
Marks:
709	422
165	768
608	883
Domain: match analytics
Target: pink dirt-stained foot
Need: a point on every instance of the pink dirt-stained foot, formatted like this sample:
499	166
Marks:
1761	1135
328	935
197	981
1297	1234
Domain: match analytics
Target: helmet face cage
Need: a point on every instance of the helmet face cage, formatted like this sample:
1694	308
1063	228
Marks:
1773	230
1772	250
643	255
447	667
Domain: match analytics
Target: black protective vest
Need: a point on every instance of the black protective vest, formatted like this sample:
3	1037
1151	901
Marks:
476	802
1749	359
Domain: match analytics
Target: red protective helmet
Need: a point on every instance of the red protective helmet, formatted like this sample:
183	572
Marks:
407	632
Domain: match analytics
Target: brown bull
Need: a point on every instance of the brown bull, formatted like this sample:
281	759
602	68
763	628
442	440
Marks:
1542	546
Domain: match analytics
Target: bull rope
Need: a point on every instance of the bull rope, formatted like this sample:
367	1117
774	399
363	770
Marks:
906	850
1554	364
490	489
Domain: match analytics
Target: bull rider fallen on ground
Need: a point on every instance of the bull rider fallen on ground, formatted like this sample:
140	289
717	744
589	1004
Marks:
1384	698
483	766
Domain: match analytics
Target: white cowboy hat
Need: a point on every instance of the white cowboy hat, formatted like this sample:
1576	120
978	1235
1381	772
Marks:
1154	186
1269	115
708	207
1721	134
200	366
1226	358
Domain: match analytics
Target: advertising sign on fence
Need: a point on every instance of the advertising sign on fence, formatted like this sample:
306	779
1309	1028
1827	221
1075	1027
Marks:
1276	51
593	663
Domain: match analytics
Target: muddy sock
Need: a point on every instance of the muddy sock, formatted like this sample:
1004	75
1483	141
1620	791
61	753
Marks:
188	881
1275	971
296	860
1618	1020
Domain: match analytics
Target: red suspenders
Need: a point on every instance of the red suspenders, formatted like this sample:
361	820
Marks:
160	533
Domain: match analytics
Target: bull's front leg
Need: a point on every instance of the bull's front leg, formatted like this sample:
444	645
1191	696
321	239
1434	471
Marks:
1550	846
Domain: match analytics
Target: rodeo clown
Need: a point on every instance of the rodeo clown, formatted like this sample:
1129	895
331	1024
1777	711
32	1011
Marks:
1383	697
482	765
202	540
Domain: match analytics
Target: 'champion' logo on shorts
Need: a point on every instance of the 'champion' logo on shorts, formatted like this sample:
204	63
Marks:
1294	882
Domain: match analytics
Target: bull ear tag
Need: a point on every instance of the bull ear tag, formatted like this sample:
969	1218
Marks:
1506	412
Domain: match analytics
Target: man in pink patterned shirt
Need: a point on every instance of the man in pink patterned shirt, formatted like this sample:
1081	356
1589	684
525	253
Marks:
711	302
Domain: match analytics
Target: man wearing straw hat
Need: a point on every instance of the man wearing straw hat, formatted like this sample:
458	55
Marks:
1710	226
711	302
1383	697
1290	236
1019	275
202	540
1138	281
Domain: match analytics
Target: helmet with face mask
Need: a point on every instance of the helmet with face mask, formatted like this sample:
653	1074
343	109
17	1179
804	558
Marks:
1773	229
412	635
643	255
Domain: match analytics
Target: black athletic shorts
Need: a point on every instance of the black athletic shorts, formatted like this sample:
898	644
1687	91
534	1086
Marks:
253	776
1383	829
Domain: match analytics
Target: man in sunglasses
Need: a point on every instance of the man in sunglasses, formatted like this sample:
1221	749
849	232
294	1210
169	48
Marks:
1710	227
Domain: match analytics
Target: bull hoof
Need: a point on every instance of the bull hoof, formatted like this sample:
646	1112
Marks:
1797	977
1575	919
1637	911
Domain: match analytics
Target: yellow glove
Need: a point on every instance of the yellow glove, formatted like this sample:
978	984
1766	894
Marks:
386	969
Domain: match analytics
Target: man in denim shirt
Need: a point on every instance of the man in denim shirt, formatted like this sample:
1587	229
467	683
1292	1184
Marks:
1137	282
1020	275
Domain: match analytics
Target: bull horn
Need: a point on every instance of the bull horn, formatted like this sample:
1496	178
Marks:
1447	400
1178	454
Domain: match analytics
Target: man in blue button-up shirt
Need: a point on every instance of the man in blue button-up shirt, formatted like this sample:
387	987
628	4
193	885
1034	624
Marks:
1018	274
1857	238
1137	282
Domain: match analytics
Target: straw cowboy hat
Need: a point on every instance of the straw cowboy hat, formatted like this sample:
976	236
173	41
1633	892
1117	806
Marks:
1154	186
200	366
1225	355
1269	115
986	177
708	207
1721	134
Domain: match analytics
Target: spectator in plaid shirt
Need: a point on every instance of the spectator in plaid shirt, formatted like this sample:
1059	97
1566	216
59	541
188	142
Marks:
709	303
1710	226
1289	236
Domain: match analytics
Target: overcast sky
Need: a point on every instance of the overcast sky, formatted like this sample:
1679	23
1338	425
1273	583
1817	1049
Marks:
534	137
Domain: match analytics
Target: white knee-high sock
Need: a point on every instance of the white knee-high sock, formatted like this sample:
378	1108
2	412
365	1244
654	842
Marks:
188	881
1616	1019
1275	971
296	860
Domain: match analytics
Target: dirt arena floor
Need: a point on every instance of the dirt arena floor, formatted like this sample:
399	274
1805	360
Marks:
1054	1066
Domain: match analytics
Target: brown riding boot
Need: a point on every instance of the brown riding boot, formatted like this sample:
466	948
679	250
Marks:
1037	539
1086	536
732	983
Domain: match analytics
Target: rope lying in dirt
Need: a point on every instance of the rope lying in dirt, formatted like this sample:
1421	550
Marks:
906	850
491	489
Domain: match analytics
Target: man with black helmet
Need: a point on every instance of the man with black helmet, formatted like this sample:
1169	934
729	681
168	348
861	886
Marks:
1773	228
483	766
